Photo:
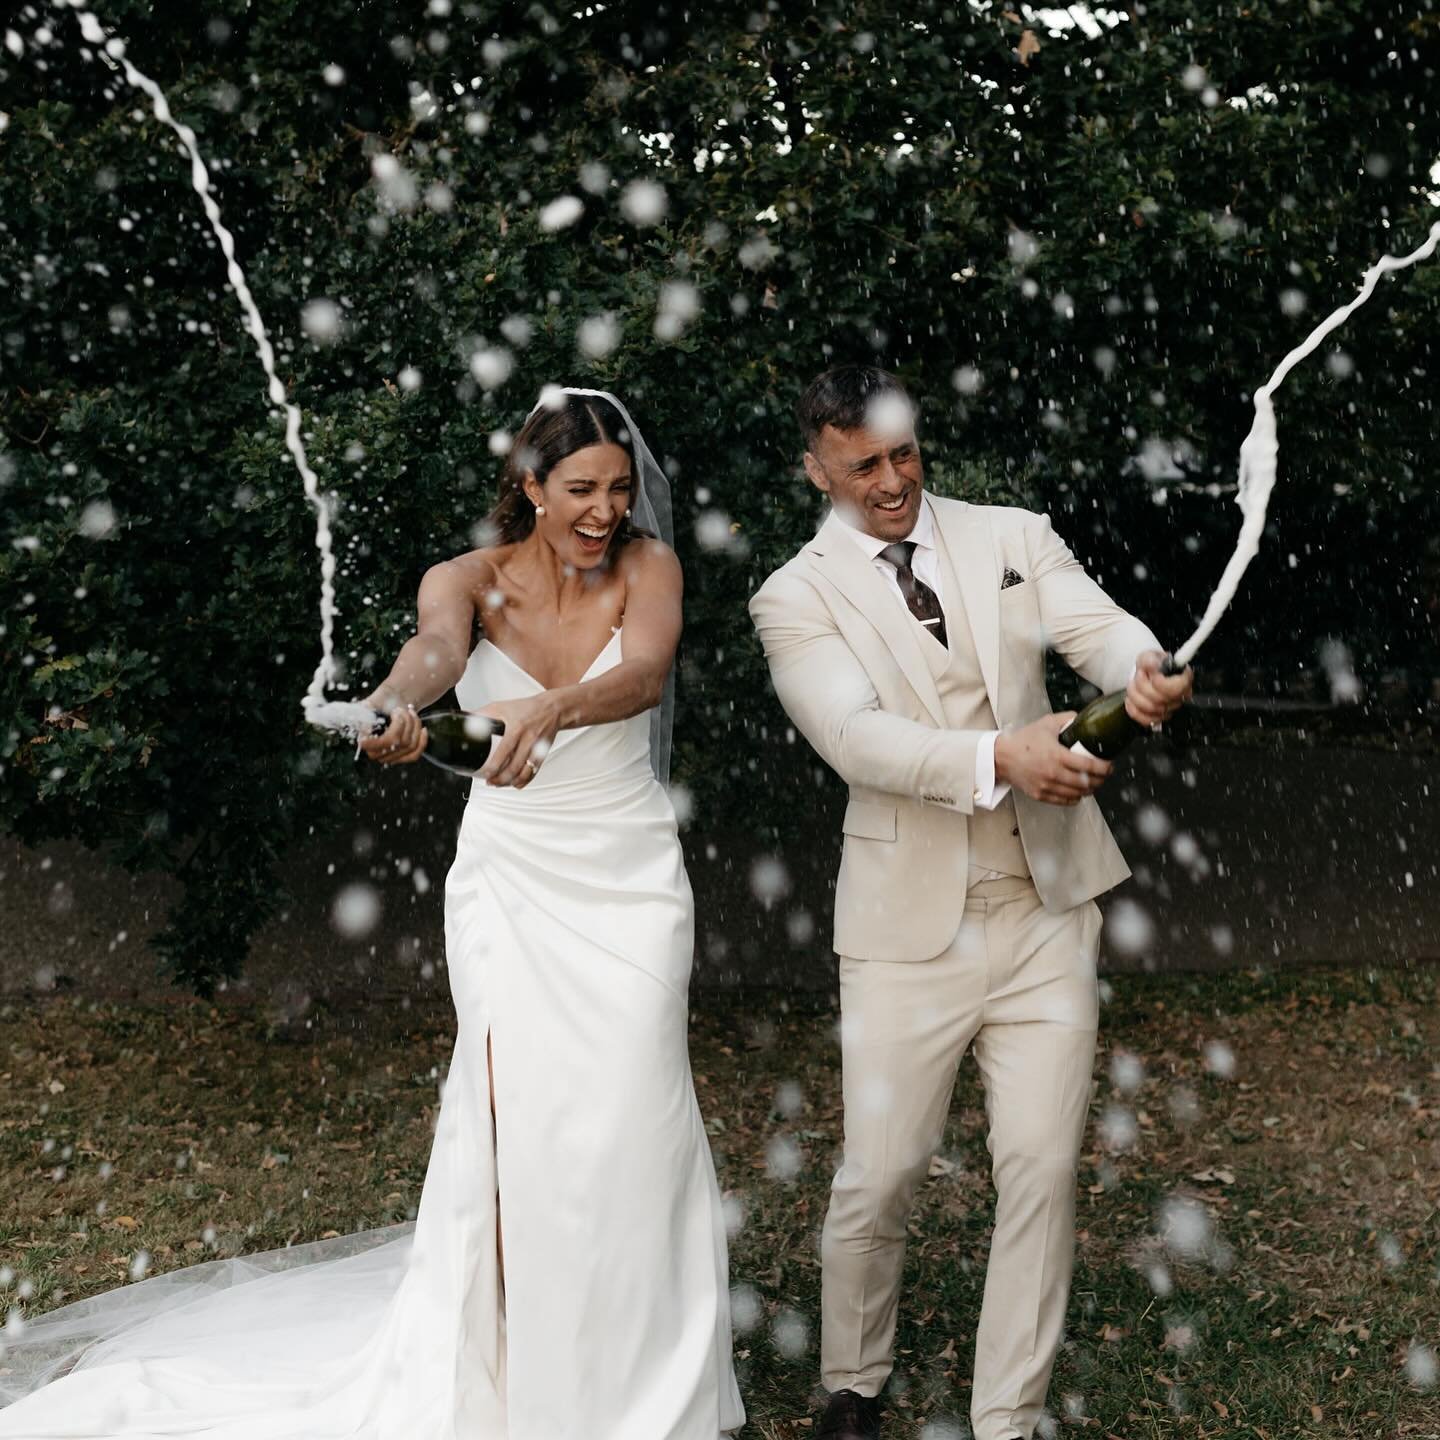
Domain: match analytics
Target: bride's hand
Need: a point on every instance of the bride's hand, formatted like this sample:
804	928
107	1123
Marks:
517	755
403	740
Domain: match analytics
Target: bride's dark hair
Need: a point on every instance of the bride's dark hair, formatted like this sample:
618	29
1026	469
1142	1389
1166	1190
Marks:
545	439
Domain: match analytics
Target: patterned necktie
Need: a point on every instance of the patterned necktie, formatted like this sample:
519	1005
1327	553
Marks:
923	602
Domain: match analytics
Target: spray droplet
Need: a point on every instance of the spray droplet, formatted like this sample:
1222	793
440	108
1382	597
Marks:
492	366
747	1310
1118	1129
97	520
769	880
322	320
1186	1228
1128	928
783	1160
1422	1369
561	213
790	1334
1127	1074
644	203
356	911
598	336
1220	1059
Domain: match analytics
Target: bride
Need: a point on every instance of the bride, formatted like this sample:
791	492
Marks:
565	1277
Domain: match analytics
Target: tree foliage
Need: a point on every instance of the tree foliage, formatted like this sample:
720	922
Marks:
1083	246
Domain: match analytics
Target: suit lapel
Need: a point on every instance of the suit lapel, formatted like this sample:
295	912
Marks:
965	533
845	566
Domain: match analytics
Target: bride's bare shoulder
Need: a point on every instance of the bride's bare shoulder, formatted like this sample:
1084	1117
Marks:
649	559
476	570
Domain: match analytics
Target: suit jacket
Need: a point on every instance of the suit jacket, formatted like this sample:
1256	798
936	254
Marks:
846	662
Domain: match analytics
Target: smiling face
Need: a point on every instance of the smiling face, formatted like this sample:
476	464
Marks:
585	496
873	477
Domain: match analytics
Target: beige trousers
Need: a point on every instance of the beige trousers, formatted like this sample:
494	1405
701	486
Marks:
1019	984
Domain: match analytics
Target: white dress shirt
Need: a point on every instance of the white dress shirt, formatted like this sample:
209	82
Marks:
925	563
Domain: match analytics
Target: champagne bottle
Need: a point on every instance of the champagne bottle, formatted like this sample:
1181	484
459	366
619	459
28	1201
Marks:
1104	727
457	741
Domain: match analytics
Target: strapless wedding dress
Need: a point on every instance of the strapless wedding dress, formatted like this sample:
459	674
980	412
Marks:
569	930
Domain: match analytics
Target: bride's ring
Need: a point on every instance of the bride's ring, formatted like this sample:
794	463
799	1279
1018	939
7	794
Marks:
532	768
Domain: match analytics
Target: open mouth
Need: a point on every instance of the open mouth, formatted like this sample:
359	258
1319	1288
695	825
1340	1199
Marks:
892	507
592	539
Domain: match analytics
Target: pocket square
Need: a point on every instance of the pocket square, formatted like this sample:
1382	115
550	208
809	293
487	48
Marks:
1011	577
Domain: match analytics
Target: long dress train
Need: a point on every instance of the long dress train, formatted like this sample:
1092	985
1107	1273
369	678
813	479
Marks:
569	930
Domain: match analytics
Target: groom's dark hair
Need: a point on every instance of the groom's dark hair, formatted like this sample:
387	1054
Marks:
841	397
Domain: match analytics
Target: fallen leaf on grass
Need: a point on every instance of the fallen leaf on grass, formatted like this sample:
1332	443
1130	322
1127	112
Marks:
1359	1329
1214	1176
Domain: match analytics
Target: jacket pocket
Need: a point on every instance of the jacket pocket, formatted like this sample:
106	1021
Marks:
869	822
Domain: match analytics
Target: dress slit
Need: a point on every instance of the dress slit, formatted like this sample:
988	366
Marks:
495	1150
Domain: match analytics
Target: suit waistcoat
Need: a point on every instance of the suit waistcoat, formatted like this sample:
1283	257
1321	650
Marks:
994	834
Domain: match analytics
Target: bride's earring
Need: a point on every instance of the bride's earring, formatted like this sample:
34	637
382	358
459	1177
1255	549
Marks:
539	509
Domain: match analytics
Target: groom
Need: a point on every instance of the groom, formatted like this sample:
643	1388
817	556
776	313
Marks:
907	642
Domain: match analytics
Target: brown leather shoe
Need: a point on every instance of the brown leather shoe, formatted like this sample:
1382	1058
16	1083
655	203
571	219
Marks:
849	1416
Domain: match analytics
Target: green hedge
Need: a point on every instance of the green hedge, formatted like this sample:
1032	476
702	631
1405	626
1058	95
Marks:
841	181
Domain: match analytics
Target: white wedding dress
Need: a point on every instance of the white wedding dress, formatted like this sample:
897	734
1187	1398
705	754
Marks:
569	927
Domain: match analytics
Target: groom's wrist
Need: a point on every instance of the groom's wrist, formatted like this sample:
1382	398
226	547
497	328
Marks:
1002	758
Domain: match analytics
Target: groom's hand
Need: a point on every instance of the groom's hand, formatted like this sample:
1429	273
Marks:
1032	760
1152	696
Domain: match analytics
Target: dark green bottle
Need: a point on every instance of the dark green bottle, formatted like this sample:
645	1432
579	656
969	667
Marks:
1104	727
458	741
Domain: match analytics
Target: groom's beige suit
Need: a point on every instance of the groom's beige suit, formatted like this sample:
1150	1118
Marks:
963	915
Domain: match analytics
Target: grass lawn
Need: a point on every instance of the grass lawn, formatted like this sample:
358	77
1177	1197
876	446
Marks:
1259	1201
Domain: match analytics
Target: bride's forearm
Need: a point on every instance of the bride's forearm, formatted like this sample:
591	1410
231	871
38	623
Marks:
423	671
632	687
